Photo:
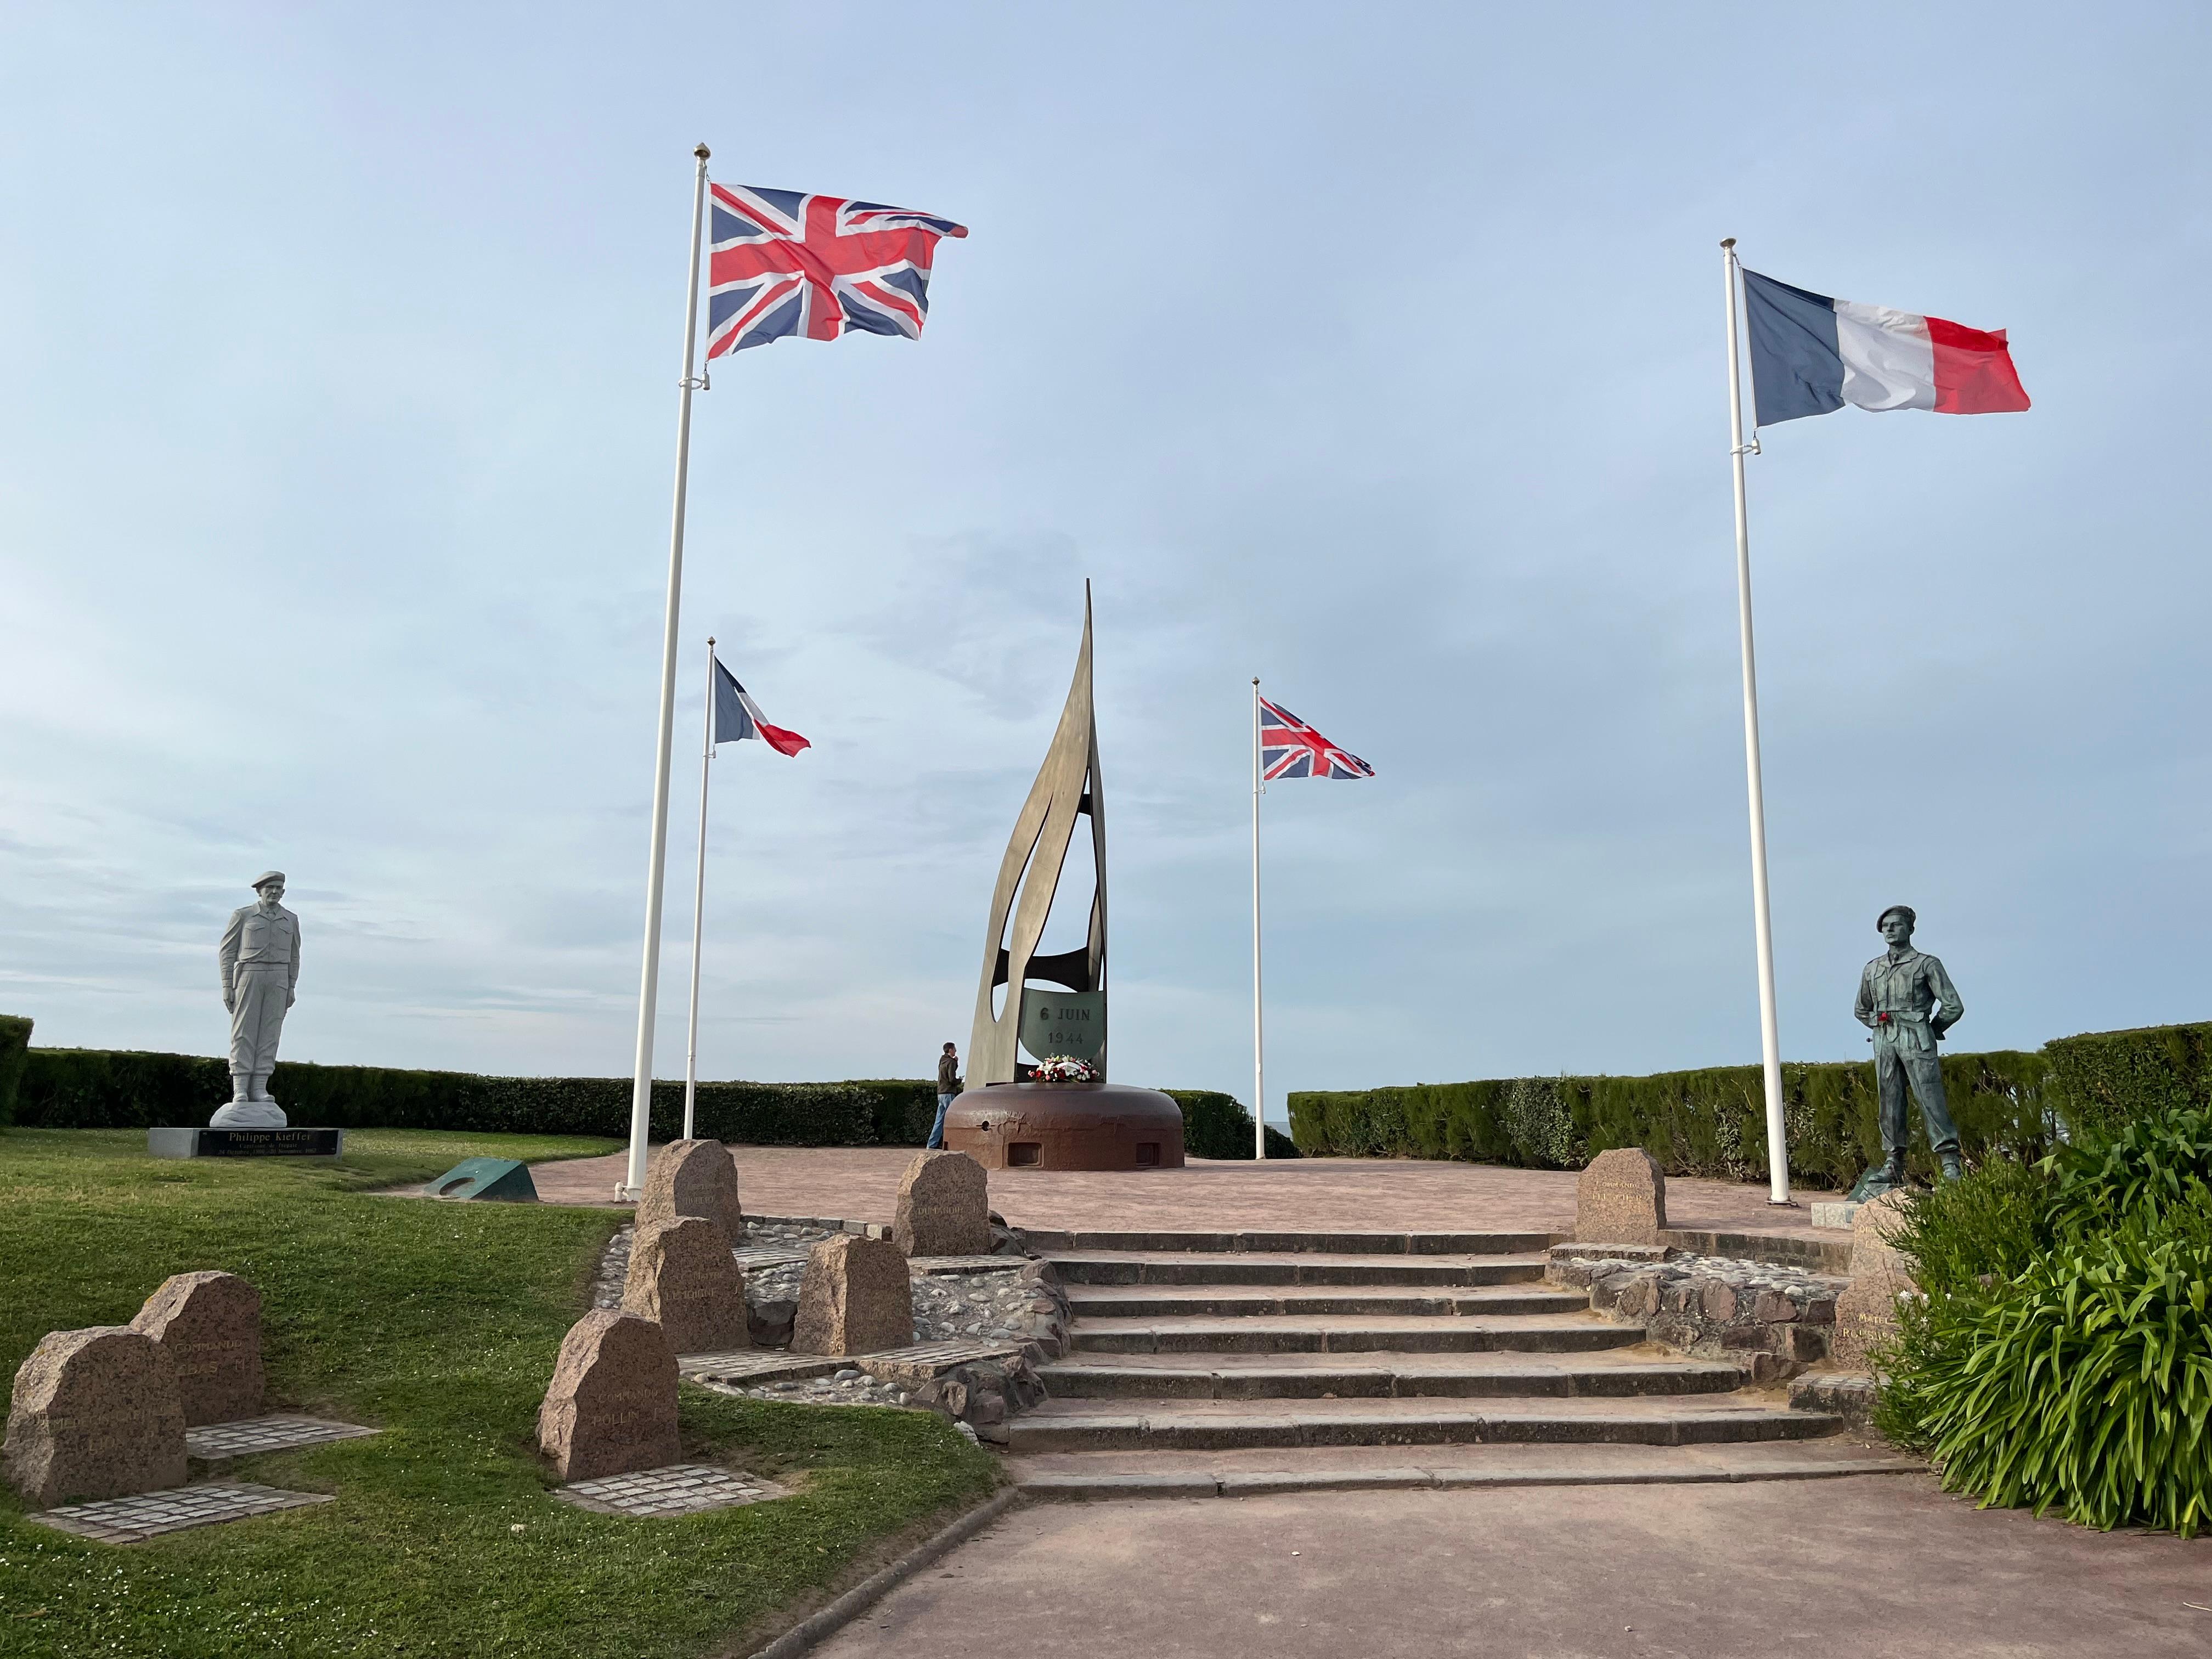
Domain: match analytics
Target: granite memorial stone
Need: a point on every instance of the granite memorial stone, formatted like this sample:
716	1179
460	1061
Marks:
682	1274
1621	1198
612	1409
210	1325
944	1207
1866	1313
694	1177
96	1415
258	961
855	1297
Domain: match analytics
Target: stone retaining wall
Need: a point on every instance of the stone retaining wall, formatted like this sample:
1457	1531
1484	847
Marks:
1773	1319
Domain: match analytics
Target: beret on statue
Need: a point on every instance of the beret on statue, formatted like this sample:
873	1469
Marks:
265	877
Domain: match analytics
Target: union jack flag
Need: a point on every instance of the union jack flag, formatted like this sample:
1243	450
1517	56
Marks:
783	262
1289	748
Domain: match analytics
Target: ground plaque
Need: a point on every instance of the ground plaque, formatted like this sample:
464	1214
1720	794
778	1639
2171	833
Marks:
245	1143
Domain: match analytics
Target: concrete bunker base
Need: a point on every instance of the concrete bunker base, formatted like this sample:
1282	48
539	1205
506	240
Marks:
1029	1126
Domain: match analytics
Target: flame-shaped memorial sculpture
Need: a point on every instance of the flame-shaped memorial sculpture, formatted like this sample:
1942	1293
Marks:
1075	1122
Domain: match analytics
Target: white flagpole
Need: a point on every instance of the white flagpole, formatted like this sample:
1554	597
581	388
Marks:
640	1100
699	900
1259	1045
1777	1150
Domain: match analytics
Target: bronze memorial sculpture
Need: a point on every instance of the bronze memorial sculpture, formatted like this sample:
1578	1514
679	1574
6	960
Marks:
1085	1123
1907	1001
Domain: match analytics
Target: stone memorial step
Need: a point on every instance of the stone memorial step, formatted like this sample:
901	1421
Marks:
1605	1373
752	1367
1203	1364
1214	1424
1557	1333
148	1515
750	1257
676	1489
1243	1301
214	1443
1261	1471
1047	1241
1290	1267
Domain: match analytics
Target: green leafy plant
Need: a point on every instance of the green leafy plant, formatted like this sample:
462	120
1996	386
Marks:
1975	1236
2135	1172
2085	1385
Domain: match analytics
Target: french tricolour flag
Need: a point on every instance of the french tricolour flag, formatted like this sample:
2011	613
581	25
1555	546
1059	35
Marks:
736	717
1811	355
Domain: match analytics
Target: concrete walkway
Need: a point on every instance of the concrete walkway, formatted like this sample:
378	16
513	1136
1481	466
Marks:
860	1183
1878	1567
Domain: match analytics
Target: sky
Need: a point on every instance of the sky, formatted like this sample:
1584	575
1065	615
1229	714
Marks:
1376	351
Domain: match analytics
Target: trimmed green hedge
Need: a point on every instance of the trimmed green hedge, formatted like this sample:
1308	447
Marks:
1215	1124
100	1089
105	1089
1711	1123
15	1049
2111	1078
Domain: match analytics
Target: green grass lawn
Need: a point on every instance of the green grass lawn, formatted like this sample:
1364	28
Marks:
437	1323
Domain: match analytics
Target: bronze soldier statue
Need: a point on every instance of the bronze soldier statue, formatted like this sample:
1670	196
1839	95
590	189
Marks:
1908	1002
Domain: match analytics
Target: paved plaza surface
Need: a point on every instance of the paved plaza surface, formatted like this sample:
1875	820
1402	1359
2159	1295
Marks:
1878	1567
1313	1195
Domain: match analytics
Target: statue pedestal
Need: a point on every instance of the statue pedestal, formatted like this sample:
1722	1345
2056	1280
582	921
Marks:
217	1142
1033	1126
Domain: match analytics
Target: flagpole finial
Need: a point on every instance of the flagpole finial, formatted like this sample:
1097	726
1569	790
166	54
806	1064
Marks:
703	152
1255	679
1728	241
710	639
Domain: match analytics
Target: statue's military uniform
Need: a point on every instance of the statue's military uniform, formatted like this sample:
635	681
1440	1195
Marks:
260	964
1908	1001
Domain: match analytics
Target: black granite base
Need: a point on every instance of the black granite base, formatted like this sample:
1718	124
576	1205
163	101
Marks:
245	1143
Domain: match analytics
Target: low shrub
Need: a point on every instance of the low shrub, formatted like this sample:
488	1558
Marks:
1216	1125
2134	1173
2060	1355
2085	1385
1969	1236
15	1050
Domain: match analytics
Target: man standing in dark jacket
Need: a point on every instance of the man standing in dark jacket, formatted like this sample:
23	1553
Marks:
948	1084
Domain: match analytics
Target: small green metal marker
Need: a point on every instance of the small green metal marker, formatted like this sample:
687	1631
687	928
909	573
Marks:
501	1180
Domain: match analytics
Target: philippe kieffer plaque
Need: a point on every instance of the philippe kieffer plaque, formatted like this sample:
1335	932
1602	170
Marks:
1055	1022
245	1143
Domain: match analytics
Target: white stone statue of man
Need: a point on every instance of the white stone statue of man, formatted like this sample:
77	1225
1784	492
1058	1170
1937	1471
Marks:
260	962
